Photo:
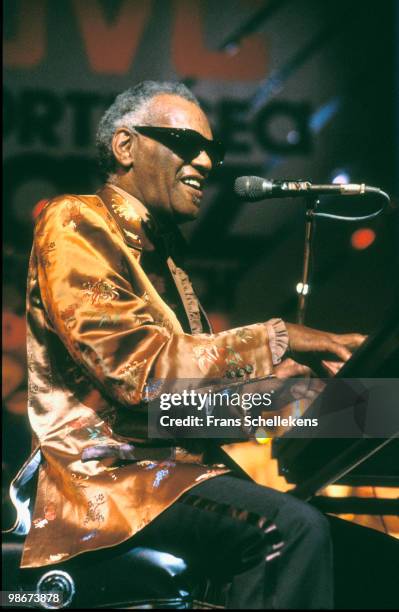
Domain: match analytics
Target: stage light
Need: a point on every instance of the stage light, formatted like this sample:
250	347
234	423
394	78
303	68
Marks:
261	436
340	177
362	238
302	289
232	48
293	137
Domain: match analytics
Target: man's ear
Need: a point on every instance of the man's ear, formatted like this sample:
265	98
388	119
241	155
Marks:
122	147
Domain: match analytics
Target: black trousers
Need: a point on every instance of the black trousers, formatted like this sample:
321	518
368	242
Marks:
268	549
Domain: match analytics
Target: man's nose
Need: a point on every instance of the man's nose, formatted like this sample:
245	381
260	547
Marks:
202	161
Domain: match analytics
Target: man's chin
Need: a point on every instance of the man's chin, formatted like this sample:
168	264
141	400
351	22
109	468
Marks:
186	215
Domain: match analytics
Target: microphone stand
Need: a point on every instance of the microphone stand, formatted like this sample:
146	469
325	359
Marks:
303	288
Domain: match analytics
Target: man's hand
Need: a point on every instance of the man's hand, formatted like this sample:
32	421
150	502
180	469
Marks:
289	368
305	339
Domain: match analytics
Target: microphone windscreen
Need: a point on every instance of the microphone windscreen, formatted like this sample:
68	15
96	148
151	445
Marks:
249	187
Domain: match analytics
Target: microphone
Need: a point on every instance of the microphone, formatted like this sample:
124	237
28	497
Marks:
255	188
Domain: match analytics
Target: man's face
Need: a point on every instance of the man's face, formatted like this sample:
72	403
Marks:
159	176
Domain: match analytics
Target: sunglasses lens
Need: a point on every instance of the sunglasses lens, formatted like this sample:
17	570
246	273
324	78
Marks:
186	143
195	143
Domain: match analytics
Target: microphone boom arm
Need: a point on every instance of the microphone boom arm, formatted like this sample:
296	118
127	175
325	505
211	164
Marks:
303	287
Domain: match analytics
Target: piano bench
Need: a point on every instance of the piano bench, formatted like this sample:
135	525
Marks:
140	578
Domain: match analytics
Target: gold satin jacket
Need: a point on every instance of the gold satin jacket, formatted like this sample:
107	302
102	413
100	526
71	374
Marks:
108	310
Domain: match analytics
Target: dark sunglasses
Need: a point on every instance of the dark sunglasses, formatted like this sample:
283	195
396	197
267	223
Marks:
186	143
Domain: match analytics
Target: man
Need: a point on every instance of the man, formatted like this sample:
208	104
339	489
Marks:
110	310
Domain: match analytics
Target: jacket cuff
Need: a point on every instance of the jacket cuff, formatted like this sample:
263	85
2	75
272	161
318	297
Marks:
278	339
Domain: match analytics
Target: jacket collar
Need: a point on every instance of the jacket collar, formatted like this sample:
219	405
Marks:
130	215
139	227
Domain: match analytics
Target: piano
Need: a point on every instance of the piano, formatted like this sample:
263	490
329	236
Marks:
313	463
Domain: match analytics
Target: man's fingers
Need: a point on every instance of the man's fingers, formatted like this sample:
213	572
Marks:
341	351
304	370
305	339
291	369
303	390
333	367
351	341
345	344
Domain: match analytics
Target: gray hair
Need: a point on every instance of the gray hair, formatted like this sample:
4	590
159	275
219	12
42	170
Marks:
129	109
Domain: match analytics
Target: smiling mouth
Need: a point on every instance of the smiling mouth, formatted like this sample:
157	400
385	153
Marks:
195	184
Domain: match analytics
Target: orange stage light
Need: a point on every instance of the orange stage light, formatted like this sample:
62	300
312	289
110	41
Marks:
362	238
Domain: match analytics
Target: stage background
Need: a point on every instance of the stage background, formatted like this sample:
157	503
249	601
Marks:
307	91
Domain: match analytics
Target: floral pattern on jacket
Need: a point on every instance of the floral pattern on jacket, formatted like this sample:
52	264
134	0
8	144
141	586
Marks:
100	336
